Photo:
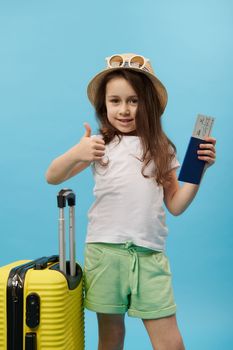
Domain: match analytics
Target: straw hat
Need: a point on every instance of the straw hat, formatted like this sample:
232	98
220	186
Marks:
132	62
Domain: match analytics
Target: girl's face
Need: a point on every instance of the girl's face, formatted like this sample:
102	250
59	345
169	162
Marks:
121	103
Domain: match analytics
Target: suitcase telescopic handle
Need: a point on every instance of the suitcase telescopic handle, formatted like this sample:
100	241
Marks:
66	196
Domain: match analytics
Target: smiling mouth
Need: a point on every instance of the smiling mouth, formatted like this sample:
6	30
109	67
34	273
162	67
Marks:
125	121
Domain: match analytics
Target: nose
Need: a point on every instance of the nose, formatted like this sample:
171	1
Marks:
124	109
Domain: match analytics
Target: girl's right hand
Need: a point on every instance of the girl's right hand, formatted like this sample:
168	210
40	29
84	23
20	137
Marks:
90	148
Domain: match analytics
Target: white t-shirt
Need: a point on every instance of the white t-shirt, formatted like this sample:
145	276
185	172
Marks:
127	206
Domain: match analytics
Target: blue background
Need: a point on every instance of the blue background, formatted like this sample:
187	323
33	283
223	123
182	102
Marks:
49	50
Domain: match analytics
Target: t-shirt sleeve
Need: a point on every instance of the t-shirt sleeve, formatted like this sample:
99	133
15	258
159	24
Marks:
175	164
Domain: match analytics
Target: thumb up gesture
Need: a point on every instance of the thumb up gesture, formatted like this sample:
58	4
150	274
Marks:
90	148
87	130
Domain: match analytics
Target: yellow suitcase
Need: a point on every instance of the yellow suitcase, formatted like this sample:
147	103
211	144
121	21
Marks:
41	301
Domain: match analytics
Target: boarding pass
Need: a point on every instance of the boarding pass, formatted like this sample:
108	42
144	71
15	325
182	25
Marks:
203	126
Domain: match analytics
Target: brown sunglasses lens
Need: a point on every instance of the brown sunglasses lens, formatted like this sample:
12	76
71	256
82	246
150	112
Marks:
137	61
116	61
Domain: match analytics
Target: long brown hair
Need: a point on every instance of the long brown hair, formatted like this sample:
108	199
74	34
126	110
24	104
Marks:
156	145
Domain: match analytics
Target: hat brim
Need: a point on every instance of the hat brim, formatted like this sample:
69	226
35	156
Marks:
94	84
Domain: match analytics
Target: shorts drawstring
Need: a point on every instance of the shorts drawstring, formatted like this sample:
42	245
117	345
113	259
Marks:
134	267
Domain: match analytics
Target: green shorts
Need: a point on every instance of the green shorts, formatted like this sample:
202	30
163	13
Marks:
123	278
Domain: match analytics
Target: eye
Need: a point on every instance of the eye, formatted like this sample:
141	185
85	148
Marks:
133	101
114	100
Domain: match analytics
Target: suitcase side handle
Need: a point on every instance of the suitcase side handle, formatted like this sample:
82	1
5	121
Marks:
66	195
43	262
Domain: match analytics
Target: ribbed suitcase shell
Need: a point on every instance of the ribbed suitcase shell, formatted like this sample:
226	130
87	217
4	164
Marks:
61	309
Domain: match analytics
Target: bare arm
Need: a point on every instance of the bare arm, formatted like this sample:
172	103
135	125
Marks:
76	159
177	198
64	167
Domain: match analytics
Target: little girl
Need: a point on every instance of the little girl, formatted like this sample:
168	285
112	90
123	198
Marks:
134	166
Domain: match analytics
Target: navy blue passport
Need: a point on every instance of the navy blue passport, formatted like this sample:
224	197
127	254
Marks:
192	168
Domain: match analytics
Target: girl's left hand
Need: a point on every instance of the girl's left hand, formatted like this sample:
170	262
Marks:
207	151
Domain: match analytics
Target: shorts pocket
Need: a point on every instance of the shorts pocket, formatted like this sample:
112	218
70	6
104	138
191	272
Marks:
162	263
94	255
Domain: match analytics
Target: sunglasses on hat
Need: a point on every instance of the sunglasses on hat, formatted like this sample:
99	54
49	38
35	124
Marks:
120	61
